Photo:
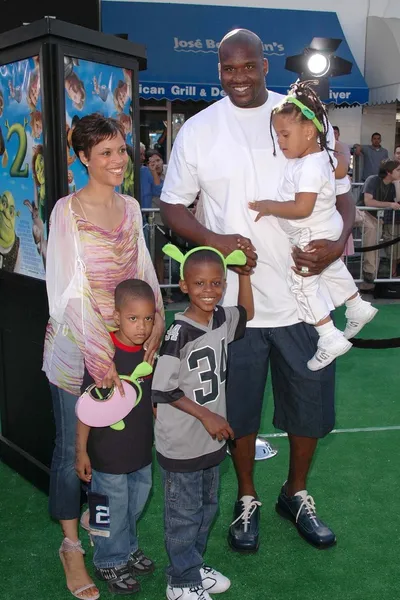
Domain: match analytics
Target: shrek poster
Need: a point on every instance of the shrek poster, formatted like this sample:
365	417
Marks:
23	217
94	87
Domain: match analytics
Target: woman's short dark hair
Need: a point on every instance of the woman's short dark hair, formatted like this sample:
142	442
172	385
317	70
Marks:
388	166
93	129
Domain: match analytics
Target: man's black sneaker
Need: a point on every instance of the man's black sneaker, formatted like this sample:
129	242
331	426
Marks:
300	509
243	533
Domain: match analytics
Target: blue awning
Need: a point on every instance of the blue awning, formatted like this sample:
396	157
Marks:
182	44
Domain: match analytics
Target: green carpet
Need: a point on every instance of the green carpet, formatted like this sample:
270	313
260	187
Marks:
353	481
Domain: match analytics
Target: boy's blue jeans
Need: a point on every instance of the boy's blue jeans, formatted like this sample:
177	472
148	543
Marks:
127	495
190	505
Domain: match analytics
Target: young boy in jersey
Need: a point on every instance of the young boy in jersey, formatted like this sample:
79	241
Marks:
191	430
117	464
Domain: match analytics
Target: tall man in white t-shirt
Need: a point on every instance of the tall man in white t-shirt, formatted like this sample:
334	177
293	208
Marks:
226	151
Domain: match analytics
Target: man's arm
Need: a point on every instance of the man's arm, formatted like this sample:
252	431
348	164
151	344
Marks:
357	149
319	254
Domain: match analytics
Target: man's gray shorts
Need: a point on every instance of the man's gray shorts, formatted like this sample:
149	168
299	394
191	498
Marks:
304	399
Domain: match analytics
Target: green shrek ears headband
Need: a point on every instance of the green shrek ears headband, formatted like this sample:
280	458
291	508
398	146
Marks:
237	257
307	112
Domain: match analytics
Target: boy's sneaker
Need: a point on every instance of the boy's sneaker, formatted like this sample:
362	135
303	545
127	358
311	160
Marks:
213	581
357	317
139	564
329	347
196	592
119	580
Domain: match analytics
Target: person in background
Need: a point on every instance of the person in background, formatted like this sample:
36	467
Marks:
373	155
95	242
379	192
344	148
150	177
156	168
397	183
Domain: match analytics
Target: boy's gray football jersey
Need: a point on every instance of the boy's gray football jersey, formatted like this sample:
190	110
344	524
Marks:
193	363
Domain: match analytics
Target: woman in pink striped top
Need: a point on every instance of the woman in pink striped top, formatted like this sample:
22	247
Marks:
95	242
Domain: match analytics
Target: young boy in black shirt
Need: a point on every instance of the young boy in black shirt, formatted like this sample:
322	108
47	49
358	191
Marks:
117	463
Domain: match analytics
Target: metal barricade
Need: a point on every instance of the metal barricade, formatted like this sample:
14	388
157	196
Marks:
151	229
372	227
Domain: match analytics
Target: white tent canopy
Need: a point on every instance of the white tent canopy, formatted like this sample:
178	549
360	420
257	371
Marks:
382	59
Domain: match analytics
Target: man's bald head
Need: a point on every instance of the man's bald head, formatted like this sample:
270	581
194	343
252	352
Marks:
240	37
242	68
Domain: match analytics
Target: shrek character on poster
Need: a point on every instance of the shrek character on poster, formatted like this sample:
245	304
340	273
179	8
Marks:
9	241
127	186
38	177
38	230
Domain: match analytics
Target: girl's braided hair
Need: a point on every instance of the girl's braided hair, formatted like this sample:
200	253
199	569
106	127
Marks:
305	93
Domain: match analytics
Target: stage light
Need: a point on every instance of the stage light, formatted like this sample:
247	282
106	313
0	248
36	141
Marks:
318	65
318	62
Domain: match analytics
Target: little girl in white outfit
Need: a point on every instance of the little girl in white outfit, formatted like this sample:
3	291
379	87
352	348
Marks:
306	210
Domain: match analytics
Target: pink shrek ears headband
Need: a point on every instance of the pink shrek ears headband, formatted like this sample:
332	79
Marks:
111	410
307	112
237	257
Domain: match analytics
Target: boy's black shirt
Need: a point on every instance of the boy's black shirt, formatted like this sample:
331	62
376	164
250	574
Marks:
119	452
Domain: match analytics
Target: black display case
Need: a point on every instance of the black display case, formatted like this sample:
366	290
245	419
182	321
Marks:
51	74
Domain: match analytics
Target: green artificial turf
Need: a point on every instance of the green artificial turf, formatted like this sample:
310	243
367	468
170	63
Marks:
354	482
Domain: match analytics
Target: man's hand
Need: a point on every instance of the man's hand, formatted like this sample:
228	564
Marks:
317	255
83	467
217	426
228	243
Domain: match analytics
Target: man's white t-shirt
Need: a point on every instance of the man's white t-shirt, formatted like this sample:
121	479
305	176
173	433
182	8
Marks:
227	153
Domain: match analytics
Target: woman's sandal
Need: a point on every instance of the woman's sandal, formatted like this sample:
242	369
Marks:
68	546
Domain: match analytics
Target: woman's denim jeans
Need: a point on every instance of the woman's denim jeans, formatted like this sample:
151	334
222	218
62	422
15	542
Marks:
65	485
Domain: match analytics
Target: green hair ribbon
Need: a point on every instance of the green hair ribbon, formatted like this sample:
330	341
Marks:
237	257
307	112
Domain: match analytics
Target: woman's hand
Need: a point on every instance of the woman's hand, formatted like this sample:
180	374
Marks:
110	379
152	344
83	468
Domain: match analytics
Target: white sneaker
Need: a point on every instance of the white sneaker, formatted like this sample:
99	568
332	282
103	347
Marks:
329	348
196	592
357	317
213	581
